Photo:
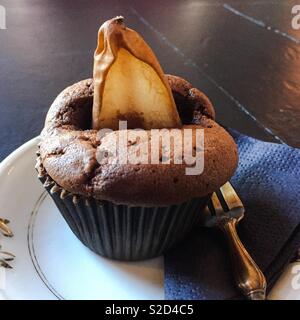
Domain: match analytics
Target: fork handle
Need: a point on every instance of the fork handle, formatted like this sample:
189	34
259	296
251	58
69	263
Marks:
247	274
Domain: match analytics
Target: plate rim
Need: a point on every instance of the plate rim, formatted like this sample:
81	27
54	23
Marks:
14	154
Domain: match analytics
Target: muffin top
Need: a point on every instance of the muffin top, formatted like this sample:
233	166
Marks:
169	151
69	149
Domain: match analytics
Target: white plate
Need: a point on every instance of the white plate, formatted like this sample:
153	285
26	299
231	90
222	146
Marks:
51	263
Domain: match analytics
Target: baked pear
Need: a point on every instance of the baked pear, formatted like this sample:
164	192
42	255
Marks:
129	83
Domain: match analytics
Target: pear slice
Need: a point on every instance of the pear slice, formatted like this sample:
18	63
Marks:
129	83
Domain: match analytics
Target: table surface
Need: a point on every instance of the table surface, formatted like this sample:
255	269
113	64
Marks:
243	54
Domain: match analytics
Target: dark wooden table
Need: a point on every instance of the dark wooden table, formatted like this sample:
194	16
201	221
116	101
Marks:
244	55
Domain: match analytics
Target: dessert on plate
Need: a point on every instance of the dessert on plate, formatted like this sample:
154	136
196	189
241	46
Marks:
131	210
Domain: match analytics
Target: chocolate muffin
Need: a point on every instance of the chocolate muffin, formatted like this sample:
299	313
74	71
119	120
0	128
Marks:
123	210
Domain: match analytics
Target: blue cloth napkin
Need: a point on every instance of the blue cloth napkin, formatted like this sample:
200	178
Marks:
268	182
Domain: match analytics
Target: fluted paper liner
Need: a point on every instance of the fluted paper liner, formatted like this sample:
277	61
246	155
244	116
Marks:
119	231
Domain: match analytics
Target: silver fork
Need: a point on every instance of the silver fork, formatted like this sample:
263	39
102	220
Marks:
225	214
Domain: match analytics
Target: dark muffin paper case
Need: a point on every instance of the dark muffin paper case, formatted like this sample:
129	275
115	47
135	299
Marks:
123	232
